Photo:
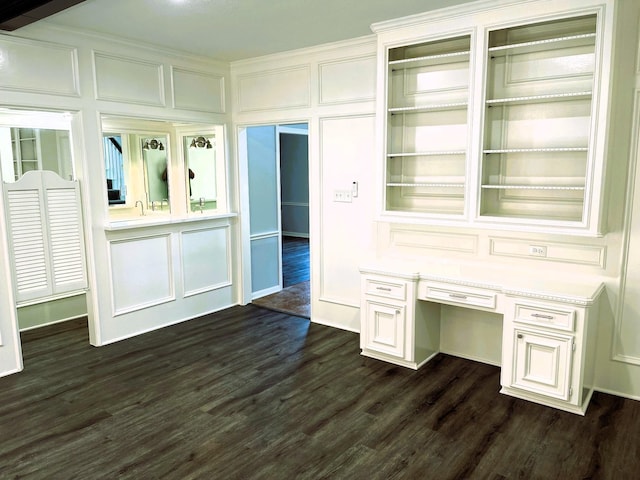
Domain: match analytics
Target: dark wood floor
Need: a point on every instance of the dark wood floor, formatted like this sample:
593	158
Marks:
295	260
249	393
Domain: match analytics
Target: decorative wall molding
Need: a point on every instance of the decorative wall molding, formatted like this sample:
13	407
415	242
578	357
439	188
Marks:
339	164
570	253
198	91
280	89
23	61
347	80
627	327
141	273
128	80
206	259
401	236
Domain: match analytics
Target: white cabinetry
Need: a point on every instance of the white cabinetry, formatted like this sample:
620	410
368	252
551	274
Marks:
548	351
393	326
499	116
426	123
548	330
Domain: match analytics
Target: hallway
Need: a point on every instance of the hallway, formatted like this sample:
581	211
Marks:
295	297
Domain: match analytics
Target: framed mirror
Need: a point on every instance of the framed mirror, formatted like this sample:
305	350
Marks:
136	157
204	170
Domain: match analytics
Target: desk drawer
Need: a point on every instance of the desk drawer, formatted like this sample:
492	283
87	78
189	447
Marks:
546	316
443	292
385	288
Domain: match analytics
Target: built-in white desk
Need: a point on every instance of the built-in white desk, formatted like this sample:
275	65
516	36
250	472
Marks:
548	331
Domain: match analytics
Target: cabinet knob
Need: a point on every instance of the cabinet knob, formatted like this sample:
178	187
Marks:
519	335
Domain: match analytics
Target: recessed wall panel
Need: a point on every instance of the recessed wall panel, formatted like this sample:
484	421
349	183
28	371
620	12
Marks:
205	260
350	80
22	63
278	89
141	273
128	80
198	91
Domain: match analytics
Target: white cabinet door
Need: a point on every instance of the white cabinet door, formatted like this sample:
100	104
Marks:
384	328
542	363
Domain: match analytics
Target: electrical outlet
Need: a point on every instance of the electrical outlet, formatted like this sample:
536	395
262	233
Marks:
538	250
344	196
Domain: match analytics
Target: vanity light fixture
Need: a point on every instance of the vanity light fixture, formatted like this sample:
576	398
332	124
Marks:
200	142
153	144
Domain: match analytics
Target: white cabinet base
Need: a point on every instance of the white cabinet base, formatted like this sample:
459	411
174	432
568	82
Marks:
579	409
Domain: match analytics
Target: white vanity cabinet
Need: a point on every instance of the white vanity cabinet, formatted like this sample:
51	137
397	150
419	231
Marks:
548	350
498	114
393	326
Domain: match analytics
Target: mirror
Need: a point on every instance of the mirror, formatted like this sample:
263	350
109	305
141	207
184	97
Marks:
135	162
35	141
203	153
150	166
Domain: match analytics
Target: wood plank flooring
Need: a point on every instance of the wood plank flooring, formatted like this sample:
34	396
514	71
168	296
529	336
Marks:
248	393
295	260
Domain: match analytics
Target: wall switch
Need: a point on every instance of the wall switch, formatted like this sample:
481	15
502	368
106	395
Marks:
342	196
538	250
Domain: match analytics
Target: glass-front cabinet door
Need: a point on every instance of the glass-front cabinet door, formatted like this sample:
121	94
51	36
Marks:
427	127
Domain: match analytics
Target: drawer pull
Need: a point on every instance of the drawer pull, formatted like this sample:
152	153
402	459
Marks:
458	296
384	289
540	315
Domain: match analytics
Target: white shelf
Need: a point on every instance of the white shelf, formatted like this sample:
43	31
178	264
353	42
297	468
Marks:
548	42
555	97
537	150
429	185
532	187
427	154
427	108
428	58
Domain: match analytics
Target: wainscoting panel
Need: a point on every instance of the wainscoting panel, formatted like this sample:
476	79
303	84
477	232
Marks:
347	80
141	273
198	91
346	150
572	253
205	259
276	89
23	61
412	238
128	80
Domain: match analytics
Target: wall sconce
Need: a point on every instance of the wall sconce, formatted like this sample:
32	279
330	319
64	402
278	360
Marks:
200	142
153	144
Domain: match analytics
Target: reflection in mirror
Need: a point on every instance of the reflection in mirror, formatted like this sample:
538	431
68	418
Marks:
204	163
135	162
154	154
26	149
200	153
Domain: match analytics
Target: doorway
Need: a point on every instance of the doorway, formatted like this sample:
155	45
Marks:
277	159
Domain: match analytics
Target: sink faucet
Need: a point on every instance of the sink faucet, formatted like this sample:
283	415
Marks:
139	202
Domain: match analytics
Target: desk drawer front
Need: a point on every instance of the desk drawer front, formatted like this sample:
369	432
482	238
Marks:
458	294
546	316
386	288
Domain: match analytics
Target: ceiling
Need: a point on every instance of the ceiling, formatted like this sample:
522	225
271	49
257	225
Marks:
237	29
